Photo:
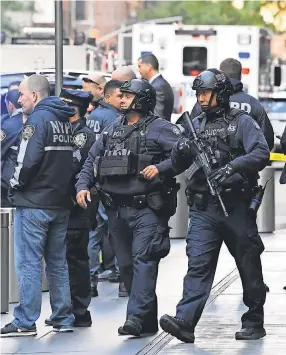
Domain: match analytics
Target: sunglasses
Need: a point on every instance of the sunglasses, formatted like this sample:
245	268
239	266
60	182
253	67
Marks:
87	80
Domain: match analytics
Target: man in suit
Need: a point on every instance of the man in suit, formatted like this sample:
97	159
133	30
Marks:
148	67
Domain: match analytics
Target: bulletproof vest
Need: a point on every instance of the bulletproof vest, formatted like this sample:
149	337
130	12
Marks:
219	134
127	152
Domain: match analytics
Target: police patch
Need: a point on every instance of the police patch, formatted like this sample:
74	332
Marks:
232	128
176	130
2	135
80	139
28	132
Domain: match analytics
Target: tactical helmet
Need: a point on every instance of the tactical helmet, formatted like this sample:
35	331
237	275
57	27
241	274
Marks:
145	99
218	82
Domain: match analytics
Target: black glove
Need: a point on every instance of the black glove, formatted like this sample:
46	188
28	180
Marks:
186	147
221	174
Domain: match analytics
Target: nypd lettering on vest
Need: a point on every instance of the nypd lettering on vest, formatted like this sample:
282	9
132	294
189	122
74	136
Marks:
244	106
62	132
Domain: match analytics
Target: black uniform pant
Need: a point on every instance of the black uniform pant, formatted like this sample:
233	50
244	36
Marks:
207	230
77	258
140	238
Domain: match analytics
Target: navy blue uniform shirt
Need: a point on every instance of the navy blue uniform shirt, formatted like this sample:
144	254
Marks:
101	117
249	104
83	139
160	133
44	164
251	139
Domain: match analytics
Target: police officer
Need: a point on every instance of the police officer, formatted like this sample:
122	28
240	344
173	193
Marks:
126	155
10	136
241	151
241	100
79	220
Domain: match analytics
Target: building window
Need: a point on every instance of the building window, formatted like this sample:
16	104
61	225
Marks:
80	10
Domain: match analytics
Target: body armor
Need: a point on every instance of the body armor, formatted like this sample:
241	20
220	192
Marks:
127	152
219	133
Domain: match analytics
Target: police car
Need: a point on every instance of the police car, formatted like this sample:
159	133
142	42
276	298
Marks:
71	79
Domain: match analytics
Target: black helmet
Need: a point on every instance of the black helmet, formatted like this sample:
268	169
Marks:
145	99
218	81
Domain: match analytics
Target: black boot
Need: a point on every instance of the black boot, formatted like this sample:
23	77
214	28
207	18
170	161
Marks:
132	327
250	333
177	327
93	288
284	288
82	320
122	292
267	288
145	330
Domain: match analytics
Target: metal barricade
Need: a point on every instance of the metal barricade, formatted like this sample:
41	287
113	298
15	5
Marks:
179	222
4	260
266	212
13	282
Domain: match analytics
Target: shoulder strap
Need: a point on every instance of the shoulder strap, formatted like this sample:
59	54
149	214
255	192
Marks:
233	114
137	126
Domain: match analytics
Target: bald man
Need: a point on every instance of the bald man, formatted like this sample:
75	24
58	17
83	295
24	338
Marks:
123	73
40	191
94	84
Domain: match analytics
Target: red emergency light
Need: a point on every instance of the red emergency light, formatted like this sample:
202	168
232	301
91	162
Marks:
194	72
245	71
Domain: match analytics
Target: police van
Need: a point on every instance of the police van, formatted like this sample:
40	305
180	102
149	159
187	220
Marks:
184	51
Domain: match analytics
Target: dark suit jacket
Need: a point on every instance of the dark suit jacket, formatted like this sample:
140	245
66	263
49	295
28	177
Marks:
164	98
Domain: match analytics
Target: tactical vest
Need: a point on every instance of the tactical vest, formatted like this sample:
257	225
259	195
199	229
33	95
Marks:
127	152
220	135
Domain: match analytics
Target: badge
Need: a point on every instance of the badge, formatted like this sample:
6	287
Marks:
2	135
231	128
80	139
176	130
28	132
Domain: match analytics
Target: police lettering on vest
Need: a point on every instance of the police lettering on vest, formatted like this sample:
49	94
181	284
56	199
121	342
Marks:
61	132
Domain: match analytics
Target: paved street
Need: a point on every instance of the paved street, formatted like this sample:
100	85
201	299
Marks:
214	334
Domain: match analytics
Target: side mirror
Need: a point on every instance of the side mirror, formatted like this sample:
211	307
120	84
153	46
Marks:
277	76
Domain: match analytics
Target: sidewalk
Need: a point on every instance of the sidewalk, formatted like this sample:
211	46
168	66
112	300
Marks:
214	334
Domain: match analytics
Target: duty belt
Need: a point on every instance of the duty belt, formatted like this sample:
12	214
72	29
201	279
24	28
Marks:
137	201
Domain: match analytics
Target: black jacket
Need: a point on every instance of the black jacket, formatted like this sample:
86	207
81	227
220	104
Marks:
83	139
44	164
251	105
164	98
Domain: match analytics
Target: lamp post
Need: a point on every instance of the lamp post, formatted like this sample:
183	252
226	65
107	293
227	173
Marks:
59	45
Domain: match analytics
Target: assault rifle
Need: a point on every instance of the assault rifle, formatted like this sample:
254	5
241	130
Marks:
205	159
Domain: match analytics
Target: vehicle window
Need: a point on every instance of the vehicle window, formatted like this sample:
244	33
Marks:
274	106
194	60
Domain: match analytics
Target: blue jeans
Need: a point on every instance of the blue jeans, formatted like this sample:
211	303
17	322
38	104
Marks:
95	240
95	243
41	233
